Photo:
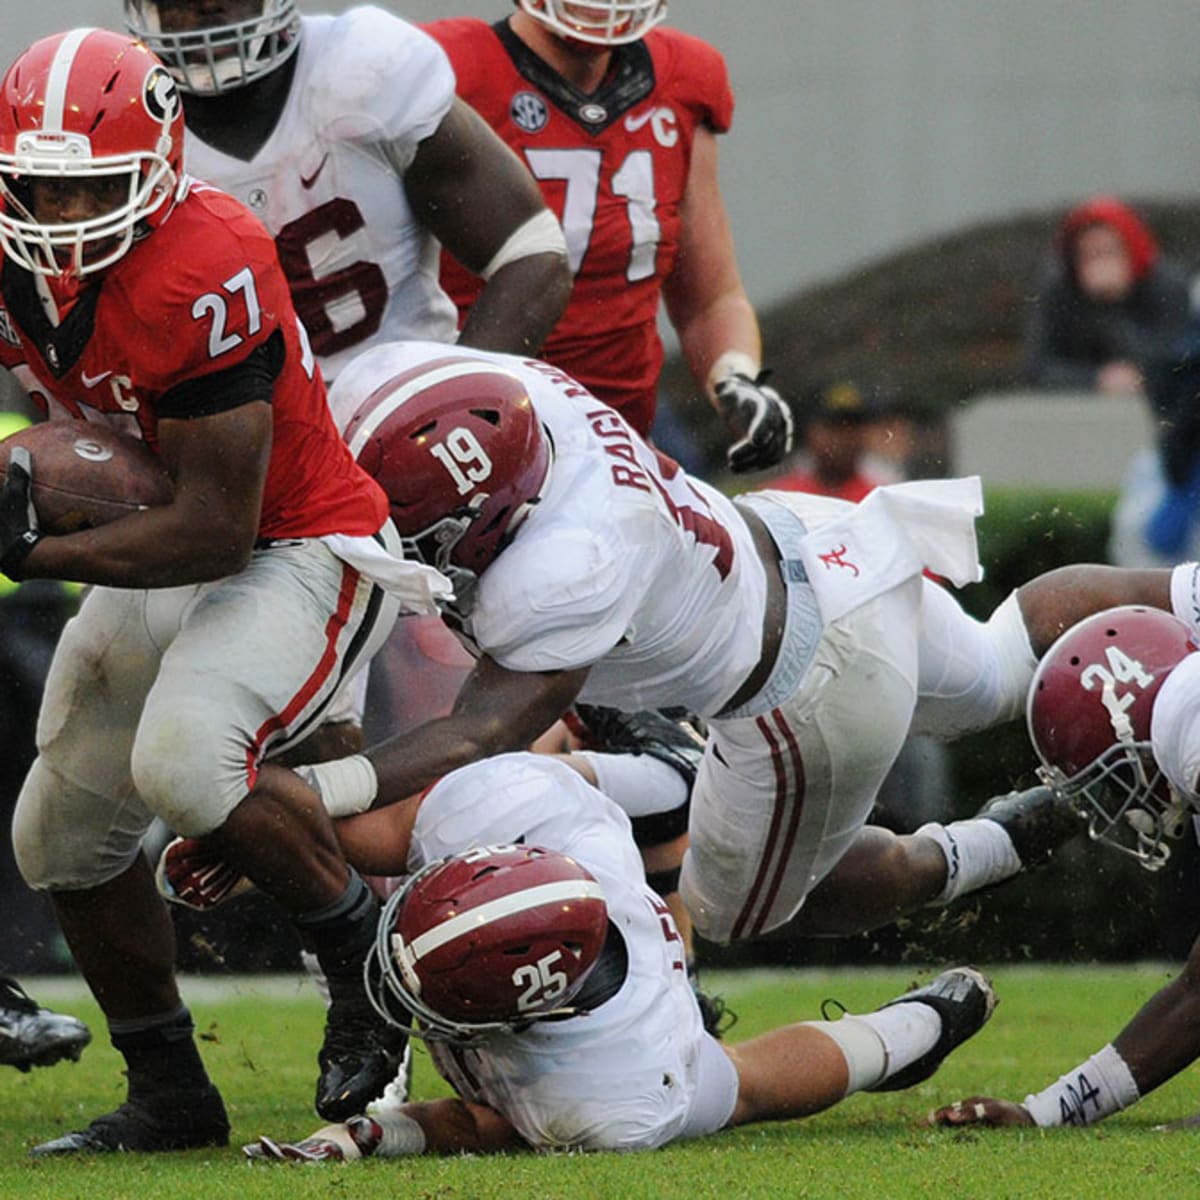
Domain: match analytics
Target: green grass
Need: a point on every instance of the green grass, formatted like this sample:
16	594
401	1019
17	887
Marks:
260	1041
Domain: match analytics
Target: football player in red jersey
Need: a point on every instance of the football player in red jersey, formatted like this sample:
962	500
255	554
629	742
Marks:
618	122
221	623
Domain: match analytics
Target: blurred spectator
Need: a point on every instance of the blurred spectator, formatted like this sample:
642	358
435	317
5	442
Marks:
837	424
1109	306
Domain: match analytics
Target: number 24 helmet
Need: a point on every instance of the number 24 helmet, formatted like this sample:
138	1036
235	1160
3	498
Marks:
599	23
487	941
87	105
225	53
1089	712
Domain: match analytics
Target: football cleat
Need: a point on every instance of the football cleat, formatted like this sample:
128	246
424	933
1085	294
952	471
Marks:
170	1121
31	1036
673	736
1037	821
361	1055
964	1000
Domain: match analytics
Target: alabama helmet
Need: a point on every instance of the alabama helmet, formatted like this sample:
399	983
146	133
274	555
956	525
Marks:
486	942
208	55
1089	710
600	22
459	450
84	107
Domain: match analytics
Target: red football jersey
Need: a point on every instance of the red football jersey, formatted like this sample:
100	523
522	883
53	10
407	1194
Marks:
191	300
613	166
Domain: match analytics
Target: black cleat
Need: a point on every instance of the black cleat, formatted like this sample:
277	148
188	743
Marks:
673	736
1037	820
173	1121
31	1036
964	1000
361	1055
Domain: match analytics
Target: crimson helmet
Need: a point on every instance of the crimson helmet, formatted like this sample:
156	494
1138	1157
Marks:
1089	712
459	450
225	52
87	105
487	941
598	22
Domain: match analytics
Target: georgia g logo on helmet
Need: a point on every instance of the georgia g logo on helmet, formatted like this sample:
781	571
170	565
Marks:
161	95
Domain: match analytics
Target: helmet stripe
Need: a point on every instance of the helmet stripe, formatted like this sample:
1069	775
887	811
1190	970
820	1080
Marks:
506	906
427	379
59	76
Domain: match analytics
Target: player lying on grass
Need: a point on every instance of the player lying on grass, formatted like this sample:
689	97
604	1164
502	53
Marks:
1114	713
548	981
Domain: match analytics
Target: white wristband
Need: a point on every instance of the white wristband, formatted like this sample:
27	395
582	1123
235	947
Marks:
1092	1091
732	362
346	785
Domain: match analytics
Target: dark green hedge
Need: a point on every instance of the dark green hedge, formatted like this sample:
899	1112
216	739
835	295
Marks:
1090	903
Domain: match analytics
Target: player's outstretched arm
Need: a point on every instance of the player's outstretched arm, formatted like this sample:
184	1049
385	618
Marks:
476	196
450	1126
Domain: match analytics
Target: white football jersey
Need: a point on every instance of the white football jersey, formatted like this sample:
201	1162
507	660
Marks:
1175	728
368	88
627	564
624	1076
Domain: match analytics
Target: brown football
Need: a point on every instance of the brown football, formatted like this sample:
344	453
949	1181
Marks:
86	474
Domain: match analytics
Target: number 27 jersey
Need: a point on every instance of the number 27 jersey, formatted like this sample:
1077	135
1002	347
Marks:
613	165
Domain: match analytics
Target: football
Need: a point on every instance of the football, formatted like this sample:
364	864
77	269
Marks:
86	474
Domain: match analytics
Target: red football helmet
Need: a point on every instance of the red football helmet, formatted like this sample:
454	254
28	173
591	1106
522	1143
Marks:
487	941
597	22
209	53
1089	718
459	450
87	105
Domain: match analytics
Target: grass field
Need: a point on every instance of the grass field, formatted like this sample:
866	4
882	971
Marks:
260	1038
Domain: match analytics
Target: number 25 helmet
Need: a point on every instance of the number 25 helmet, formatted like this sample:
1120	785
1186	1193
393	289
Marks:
211	51
599	23
1089	711
487	941
83	107
459	450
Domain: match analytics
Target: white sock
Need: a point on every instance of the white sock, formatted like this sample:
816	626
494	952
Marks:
878	1044
978	853
639	783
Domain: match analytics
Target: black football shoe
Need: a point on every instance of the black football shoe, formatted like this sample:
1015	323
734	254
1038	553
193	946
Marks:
166	1120
1038	821
964	1000
32	1036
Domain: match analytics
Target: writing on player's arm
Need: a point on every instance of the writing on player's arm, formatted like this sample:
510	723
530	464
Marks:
218	466
496	710
476	196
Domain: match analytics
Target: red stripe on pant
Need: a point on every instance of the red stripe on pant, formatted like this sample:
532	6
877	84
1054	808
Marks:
785	821
326	665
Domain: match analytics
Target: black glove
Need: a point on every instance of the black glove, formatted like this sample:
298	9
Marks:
18	519
760	420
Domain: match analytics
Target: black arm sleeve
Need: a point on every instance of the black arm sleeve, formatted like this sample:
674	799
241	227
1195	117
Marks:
251	379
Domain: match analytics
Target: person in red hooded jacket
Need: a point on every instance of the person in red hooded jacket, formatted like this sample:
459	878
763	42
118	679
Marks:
1109	306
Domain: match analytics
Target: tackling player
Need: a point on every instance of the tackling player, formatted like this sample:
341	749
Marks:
552	993
617	118
220	624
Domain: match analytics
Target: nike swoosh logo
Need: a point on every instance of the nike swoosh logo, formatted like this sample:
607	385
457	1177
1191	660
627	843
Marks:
633	124
90	381
306	183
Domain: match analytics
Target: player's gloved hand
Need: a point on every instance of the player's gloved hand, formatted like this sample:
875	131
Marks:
357	1138
190	874
758	417
18	520
981	1110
